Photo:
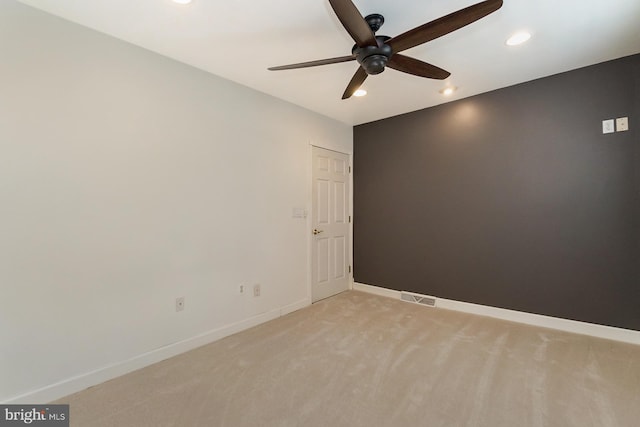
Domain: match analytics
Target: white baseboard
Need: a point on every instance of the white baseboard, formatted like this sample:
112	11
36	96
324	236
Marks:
81	382
295	306
576	327
376	290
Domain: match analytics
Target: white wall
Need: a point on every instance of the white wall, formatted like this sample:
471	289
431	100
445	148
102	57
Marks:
126	180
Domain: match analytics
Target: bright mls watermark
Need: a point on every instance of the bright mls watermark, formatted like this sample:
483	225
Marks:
34	415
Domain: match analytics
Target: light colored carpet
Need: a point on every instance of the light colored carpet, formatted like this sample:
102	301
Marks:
363	360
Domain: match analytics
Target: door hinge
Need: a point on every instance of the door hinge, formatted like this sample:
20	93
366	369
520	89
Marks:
349	269
349	169
349	219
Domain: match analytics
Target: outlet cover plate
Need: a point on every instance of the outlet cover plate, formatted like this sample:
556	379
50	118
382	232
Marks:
607	126
622	124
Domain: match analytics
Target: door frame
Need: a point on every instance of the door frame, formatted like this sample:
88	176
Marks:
310	215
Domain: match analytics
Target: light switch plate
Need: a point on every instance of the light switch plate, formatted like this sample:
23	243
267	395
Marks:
299	213
607	126
622	124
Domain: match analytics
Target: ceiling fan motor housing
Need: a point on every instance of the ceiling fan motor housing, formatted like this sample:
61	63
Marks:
373	58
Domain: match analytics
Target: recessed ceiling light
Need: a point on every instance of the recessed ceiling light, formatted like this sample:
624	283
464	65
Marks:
448	91
360	92
182	1
518	38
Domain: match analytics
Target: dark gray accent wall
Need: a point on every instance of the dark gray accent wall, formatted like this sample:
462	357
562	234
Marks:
512	198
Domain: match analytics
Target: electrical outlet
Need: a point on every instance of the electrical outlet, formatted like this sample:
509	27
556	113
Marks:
607	126
622	124
179	303
256	290
241	288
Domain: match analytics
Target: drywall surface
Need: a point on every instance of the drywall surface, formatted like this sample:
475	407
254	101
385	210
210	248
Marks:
512	199
127	180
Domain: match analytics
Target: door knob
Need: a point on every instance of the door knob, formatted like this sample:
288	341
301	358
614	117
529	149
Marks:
316	231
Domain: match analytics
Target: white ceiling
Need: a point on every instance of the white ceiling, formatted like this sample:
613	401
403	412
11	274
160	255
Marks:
239	39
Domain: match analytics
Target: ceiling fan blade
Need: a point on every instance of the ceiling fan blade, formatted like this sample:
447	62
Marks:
417	67
314	63
356	81
353	22
441	26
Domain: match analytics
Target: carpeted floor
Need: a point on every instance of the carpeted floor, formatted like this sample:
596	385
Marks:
362	360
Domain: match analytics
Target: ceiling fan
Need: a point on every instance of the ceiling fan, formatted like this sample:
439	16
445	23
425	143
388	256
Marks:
374	53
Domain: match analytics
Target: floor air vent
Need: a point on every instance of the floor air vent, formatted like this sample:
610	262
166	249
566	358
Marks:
418	299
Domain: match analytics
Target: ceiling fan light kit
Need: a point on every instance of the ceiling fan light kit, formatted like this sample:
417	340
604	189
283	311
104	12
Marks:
374	53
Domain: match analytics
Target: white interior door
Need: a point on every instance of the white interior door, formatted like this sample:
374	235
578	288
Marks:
330	221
